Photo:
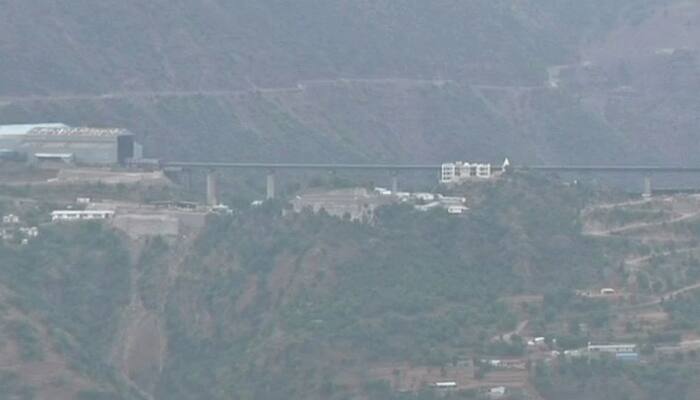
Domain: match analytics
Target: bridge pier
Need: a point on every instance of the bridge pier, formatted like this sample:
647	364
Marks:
212	188
189	179
394	182
271	184
647	187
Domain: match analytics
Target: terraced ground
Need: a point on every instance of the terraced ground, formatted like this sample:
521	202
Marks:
657	243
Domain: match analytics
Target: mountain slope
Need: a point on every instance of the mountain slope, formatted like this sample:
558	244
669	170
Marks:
340	80
220	44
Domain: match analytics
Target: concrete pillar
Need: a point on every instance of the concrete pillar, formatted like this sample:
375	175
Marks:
647	187
271	185
394	182
212	188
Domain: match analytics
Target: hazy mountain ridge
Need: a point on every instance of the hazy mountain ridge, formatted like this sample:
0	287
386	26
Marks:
345	80
132	45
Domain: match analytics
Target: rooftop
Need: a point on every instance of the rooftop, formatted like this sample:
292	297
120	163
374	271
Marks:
82	131
53	155
82	212
23	129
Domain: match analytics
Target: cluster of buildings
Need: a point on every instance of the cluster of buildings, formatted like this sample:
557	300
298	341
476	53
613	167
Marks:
463	171
84	213
496	392
138	220
604	292
453	204
62	143
359	204
12	230
506	364
624	352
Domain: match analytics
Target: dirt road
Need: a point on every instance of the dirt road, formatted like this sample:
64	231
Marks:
507	336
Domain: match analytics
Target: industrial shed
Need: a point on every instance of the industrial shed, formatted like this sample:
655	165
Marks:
92	146
12	136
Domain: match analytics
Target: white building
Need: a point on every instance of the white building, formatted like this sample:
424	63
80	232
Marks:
483	171
457	209
449	173
31	232
497	392
424	196
6	235
446	385
81	215
612	348
427	207
10	219
460	171
382	191
451	200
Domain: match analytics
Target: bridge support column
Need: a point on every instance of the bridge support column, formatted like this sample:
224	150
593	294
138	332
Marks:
647	187
212	188
189	179
394	182
271	185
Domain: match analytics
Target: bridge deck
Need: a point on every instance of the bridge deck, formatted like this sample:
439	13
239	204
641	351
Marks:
282	166
433	167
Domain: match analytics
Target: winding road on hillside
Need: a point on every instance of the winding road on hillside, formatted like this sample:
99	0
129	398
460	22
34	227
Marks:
300	87
662	298
508	336
639	260
641	225
608	206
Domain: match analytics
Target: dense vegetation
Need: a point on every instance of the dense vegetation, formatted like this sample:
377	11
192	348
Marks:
606	378
269	304
74	281
285	296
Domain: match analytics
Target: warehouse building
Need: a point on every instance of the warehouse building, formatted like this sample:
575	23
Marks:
12	136
82	145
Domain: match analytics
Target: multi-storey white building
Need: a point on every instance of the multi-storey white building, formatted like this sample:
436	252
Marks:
461	171
10	219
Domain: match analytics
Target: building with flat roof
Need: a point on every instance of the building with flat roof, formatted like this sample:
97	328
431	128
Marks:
462	171
357	203
81	215
84	145
612	348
